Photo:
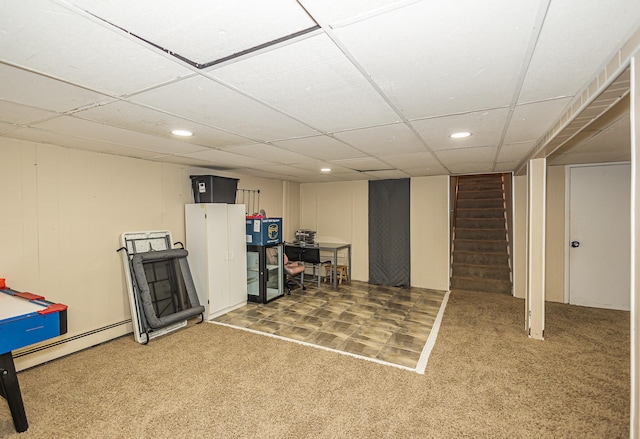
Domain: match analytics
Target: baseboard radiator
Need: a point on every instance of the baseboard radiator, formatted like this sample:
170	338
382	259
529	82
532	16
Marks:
42	347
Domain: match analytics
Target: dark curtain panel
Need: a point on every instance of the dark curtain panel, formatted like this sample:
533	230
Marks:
389	234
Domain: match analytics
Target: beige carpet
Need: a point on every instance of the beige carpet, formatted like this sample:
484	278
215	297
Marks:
485	378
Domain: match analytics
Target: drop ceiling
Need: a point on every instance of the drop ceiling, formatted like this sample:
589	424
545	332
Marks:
370	88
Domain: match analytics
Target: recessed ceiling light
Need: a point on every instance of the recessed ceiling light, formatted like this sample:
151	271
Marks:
182	133
325	170
460	135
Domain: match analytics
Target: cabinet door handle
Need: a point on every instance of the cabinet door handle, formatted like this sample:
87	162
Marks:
231	255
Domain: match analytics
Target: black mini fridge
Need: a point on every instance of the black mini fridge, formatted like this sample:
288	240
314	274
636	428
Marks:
265	276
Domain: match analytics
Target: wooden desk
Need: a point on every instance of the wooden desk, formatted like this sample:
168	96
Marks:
25	319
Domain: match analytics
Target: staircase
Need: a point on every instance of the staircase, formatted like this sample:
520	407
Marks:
480	248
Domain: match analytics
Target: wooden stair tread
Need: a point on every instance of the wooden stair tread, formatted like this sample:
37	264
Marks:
480	253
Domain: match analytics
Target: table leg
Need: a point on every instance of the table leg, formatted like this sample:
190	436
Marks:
11	392
335	268
349	262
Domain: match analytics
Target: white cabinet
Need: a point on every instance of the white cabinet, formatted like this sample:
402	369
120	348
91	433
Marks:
216	242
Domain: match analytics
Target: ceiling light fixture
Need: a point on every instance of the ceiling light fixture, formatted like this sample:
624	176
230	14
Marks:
182	133
325	170
460	135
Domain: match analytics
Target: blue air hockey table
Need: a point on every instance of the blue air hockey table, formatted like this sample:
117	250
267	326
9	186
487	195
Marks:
25	319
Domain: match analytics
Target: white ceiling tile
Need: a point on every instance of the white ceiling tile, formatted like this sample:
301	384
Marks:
387	175
42	136
202	100
423	172
515	151
435	58
39	91
386	139
276	168
329	178
336	174
138	118
7	127
270	153
201	30
576	39
320	147
506	166
363	164
54	40
335	178
486	128
413	160
301	172
307	81
261	173
349	174
224	159
21	114
85	129
474	158
335	11
531	121
315	168
470	168
181	160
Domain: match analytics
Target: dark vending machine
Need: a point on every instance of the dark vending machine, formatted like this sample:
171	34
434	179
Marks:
265	275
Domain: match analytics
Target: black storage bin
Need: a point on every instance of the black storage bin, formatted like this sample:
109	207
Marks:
214	189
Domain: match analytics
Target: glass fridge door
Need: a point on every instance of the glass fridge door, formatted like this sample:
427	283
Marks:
253	275
274	274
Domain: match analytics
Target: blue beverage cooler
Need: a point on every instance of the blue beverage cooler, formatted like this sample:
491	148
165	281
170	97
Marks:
264	231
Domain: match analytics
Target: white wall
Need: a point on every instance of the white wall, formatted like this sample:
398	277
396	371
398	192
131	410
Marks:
430	235
556	241
339	212
270	193
291	211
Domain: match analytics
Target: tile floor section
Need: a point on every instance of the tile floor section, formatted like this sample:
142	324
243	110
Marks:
389	324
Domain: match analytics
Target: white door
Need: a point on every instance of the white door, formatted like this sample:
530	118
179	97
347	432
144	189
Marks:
600	236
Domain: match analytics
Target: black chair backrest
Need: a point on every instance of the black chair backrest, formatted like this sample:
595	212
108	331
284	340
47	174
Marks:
310	255
294	253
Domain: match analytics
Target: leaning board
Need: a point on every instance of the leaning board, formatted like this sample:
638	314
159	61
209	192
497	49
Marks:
140	242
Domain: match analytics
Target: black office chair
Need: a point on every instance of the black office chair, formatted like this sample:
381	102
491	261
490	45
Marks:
312	256
308	255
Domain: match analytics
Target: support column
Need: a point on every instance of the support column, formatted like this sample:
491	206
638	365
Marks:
536	215
635	245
